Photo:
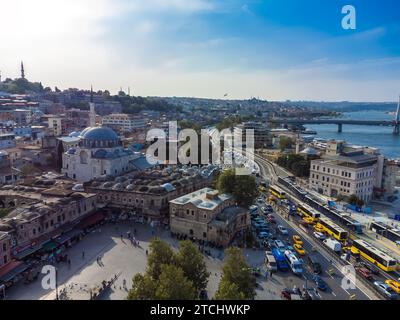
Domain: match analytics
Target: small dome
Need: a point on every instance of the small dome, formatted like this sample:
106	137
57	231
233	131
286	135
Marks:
74	134
99	134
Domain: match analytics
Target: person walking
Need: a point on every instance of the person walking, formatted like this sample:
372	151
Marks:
83	255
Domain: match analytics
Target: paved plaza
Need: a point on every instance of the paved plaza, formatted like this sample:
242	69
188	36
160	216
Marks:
107	255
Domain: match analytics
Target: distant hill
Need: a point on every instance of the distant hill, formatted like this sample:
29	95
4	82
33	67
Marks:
345	106
20	86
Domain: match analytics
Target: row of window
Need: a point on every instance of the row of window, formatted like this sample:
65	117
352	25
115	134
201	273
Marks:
334	171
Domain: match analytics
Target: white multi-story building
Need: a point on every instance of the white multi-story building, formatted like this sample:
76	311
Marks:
345	171
124	122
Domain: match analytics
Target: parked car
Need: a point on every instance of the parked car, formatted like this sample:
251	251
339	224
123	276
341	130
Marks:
321	284
319	235
283	230
263	235
280	245
253	208
385	289
364	272
271	218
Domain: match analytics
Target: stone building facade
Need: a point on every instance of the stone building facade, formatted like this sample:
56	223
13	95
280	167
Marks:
207	215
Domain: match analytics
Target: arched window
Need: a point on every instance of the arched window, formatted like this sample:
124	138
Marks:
84	157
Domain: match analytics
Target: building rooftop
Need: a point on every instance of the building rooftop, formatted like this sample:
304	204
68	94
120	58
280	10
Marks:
206	198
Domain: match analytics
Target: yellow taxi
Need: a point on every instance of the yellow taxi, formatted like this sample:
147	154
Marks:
394	285
309	220
318	228
297	240
299	249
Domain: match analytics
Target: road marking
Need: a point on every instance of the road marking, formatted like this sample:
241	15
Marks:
334	294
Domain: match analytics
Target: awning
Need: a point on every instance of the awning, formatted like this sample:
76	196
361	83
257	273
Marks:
50	246
90	221
11	270
68	235
27	252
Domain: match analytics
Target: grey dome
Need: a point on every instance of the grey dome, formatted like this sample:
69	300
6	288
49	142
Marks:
99	134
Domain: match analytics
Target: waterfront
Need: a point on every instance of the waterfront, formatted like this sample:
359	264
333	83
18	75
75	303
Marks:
379	137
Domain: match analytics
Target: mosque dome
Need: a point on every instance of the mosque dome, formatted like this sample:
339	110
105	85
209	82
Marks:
99	134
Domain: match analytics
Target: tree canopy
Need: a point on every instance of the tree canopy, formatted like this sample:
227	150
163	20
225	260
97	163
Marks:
242	187
237	279
170	275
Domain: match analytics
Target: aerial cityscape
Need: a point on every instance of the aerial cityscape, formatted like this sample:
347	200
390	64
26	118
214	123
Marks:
187	169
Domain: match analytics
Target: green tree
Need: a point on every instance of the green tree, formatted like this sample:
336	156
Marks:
245	190
236	270
226	181
242	187
173	285
285	143
160	253
353	199
191	261
228	291
143	288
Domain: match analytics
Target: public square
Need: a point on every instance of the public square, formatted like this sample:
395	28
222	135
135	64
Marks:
122	258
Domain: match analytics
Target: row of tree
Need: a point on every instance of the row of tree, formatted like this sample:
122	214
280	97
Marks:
183	274
295	163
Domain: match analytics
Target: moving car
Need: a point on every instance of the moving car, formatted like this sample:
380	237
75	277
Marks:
299	249
385	289
319	235
308	220
314	264
333	244
283	230
394	285
297	240
365	273
374	270
321	284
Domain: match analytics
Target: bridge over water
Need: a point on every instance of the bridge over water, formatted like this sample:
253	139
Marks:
395	123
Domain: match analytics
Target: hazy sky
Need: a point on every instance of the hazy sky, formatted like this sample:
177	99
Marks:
272	49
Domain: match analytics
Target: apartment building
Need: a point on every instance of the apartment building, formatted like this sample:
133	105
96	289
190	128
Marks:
259	133
124	122
345	171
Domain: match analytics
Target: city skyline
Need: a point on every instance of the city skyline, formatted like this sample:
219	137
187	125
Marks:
205	48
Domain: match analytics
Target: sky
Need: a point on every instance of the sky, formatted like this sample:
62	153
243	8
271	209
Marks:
270	49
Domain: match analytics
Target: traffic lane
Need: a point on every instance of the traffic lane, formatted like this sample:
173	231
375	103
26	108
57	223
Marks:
334	282
291	280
